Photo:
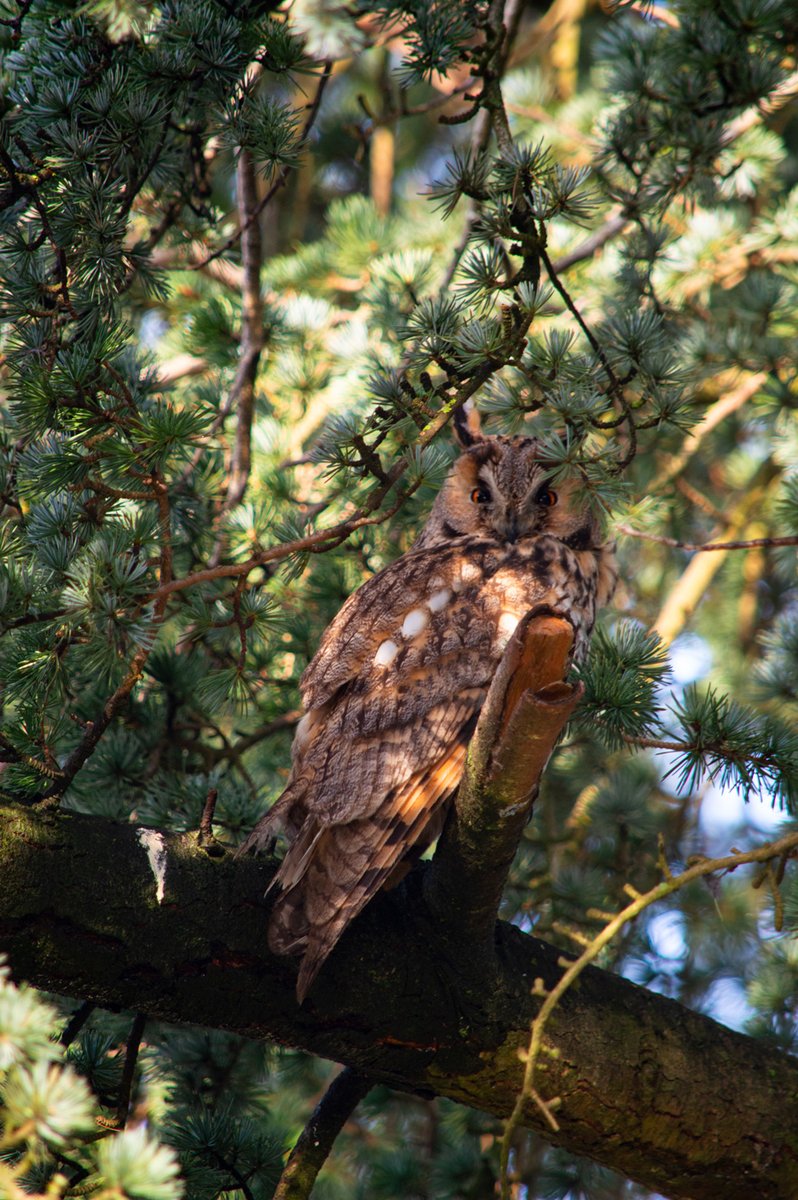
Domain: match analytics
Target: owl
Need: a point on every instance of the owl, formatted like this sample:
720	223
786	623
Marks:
392	696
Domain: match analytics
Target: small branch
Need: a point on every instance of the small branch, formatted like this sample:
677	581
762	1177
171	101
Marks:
10	754
316	1139
764	761
180	366
651	12
595	344
96	728
480	136
75	1023
615	224
692	584
129	1070
782	94
500	29
242	394
525	711
286	721
746	544
717	412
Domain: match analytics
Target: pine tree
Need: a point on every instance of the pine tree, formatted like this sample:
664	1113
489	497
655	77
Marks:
250	263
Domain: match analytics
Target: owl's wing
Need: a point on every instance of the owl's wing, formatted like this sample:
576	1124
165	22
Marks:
370	615
392	697
333	869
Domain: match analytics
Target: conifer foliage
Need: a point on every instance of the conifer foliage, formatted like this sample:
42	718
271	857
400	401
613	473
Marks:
251	260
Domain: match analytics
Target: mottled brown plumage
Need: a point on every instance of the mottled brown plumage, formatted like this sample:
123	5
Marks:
393	694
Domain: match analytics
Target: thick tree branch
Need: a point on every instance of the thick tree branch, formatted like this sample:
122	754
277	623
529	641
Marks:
662	1094
525	711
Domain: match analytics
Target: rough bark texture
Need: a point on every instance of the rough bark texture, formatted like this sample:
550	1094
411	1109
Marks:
525	712
664	1095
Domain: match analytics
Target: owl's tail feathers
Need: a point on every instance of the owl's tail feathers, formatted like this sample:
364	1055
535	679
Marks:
352	861
288	923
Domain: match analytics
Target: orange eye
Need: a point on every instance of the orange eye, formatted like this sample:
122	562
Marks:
480	495
547	497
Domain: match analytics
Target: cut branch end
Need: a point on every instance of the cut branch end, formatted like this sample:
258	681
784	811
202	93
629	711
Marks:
525	711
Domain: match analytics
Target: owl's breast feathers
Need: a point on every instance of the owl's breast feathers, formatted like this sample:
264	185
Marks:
391	699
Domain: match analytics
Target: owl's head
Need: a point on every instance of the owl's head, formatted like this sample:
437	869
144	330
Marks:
501	488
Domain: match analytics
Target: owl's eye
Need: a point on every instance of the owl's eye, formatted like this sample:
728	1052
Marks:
481	495
547	497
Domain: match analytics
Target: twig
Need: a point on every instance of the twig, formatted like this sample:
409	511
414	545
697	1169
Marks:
128	1071
480	136
501	27
286	721
317	1138
615	224
96	728
10	754
242	393
75	1023
782	94
717	412
746	544
179	367
651	12
595	344
205	836
701	570
764	854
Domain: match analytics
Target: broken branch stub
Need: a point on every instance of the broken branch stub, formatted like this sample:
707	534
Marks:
525	711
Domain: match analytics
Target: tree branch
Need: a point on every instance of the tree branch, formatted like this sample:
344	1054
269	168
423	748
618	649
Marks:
784	848
664	1095
728	403
525	711
317	1138
242	395
743	544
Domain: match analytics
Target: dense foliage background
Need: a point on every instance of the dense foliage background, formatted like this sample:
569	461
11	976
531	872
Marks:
249	262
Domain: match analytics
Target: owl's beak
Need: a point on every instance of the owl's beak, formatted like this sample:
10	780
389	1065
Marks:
512	526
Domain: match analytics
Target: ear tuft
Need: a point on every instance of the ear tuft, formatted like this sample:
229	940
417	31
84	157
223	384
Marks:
467	425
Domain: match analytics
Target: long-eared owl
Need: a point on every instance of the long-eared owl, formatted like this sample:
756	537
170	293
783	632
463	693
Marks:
392	695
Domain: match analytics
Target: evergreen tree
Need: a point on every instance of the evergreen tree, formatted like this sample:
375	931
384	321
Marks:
251	261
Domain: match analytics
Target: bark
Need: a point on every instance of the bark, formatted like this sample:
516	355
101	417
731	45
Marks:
525	711
152	923
318	1137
